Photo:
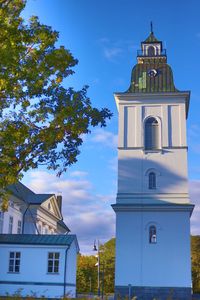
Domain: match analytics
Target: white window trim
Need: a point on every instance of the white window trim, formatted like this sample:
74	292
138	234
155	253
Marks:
53	266
14	262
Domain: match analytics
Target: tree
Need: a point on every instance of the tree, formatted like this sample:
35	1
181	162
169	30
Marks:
87	270
86	274
107	257
195	247
41	121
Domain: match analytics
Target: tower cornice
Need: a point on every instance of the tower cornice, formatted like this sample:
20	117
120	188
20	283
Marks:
138	98
153	207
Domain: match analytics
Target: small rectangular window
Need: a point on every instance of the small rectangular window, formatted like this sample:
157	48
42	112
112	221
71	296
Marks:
53	262
14	262
10	226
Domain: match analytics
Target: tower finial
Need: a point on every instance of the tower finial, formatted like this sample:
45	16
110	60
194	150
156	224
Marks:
151	27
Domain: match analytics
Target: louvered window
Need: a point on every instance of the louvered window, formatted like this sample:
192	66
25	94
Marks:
152	235
151	134
151	51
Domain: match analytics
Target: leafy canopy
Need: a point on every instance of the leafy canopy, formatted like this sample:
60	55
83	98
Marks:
87	270
41	121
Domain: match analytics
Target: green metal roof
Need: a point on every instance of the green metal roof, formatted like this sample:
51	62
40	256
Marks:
37	239
141	82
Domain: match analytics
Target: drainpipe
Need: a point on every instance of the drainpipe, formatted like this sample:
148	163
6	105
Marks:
65	271
27	208
23	218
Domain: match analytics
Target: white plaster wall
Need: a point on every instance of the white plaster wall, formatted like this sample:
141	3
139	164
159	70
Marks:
37	216
33	268
72	264
164	264
17	216
171	166
172	116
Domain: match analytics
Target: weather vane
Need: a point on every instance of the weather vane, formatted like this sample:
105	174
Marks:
151	27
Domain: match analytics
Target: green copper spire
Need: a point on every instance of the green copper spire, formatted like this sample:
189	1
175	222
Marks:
152	74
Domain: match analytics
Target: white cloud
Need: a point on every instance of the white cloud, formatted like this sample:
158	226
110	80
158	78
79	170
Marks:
112	50
111	53
113	163
78	174
194	186
194	138
88	215
106	138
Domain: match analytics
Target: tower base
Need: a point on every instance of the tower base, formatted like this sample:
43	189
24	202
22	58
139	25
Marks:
151	293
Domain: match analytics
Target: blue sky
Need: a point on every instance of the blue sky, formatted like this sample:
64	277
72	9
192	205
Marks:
104	36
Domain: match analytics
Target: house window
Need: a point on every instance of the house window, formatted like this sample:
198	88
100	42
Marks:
151	134
1	221
152	235
49	206
53	262
10	226
14	262
152	181
19	226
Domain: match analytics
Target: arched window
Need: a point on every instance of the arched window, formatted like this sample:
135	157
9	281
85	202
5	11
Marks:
152	235
151	51
151	134
152	181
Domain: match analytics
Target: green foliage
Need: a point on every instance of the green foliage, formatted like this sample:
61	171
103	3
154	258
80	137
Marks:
107	257
42	122
86	274
195	248
87	271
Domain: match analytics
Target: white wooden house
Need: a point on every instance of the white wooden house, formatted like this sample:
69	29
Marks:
32	213
37	255
38	265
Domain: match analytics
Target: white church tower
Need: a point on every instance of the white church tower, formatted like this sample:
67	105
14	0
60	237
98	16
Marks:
152	208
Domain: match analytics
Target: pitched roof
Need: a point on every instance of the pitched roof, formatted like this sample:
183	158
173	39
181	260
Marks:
151	39
38	239
24	193
63	225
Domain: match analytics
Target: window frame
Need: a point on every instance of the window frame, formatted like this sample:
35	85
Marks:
16	261
54	260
